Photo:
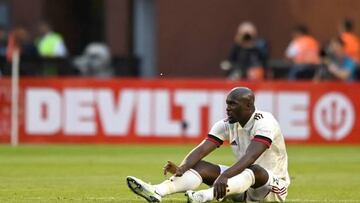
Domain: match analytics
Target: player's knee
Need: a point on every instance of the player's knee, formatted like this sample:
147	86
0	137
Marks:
208	171
261	175
202	168
257	170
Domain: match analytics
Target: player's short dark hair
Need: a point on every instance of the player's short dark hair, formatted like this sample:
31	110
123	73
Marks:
348	24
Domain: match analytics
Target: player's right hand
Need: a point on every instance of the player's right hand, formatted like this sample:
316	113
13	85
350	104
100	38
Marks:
173	169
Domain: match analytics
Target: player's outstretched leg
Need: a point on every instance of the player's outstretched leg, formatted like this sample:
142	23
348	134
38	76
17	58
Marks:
143	189
190	180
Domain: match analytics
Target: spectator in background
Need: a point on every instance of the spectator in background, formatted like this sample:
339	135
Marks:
337	65
50	43
95	61
303	52
350	39
248	57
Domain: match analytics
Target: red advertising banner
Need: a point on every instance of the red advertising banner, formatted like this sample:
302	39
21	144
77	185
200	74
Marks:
88	110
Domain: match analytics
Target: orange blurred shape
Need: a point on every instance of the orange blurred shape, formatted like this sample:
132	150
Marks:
256	73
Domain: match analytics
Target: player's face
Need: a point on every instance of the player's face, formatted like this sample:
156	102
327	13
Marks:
235	109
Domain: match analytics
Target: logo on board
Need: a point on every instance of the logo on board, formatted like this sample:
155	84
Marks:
334	116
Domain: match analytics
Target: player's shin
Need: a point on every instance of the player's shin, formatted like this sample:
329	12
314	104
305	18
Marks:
241	182
190	180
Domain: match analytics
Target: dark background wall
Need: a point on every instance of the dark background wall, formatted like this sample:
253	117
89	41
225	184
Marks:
80	21
192	36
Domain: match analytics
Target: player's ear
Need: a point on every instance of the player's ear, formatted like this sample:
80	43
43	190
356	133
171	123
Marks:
249	105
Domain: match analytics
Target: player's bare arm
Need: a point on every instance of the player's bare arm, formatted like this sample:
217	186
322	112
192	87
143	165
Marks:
254	150
197	154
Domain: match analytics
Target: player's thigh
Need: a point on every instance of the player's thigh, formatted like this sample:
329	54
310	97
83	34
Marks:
208	171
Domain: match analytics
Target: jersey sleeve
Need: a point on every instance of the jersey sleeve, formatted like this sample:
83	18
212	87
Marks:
264	131
217	133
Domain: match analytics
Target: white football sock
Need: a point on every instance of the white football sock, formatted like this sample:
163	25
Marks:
190	180
237	184
205	195
240	183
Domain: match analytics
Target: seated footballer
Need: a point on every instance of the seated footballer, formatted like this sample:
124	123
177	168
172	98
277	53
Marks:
259	174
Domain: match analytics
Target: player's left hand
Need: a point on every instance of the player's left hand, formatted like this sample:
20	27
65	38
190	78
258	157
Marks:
170	167
220	186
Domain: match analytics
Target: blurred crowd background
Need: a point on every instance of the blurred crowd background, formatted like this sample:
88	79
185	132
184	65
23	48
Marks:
233	39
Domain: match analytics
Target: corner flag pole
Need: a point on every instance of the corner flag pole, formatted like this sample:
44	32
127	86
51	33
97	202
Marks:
15	98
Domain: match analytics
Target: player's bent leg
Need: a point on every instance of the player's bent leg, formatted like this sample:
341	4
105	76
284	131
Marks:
143	189
253	188
274	190
260	174
254	176
208	171
236	185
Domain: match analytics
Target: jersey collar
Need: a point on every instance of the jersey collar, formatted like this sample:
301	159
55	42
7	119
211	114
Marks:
248	124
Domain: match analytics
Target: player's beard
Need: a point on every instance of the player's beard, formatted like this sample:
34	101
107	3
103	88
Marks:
231	119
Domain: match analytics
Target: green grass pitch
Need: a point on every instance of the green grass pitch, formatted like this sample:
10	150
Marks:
96	173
